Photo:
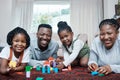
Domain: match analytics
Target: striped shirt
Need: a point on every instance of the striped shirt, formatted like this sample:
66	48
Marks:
101	56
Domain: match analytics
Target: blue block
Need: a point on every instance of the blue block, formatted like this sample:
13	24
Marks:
38	68
43	70
56	70
48	70
94	73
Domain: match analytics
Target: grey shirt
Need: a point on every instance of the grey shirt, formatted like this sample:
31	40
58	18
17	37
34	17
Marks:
38	57
101	56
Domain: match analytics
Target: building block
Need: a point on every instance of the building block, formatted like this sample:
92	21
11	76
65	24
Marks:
28	68
43	70
38	68
51	69
46	63
39	78
54	64
28	71
56	70
12	64
65	69
48	69
94	73
101	74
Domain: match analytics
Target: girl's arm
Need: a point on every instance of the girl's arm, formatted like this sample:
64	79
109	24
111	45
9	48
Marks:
19	68
4	69
77	46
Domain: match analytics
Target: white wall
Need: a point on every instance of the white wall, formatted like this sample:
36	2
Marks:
5	19
6	16
109	8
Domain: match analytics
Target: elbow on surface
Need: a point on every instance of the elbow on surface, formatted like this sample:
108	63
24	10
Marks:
3	71
83	64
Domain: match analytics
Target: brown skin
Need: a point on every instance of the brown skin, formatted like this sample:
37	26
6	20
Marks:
44	37
108	35
18	46
66	38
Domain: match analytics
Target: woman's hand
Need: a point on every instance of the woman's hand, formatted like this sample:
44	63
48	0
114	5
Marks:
92	67
104	69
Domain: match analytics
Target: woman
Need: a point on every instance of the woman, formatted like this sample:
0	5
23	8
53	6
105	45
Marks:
105	49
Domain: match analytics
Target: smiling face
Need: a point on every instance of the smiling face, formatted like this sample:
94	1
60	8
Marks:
19	43
108	35
66	37
44	37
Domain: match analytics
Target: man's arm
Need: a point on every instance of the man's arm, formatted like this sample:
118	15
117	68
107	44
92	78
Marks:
33	61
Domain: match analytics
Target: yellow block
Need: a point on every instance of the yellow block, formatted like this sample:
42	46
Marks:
12	64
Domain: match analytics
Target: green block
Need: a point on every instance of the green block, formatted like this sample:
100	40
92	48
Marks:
38	68
39	78
101	75
28	68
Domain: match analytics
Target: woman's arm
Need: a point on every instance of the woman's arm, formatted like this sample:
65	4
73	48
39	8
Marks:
115	68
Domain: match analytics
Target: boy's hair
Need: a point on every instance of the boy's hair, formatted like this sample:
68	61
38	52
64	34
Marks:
45	26
111	22
62	25
15	31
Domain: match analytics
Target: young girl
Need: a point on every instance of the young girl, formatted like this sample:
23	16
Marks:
15	56
75	51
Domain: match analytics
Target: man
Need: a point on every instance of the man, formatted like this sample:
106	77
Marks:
43	47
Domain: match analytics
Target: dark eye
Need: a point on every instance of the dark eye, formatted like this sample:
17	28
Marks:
109	33
41	34
48	35
23	41
101	34
16	40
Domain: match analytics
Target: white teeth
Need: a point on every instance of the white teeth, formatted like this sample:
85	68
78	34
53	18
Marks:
44	42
